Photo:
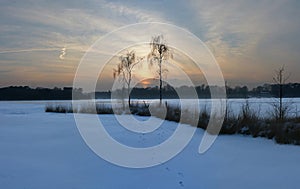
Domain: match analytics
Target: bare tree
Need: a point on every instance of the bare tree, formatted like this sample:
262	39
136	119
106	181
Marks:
160	52
280	79
125	69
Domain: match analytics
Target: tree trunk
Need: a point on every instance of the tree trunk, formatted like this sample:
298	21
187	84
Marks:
128	91
280	103
122	95
160	81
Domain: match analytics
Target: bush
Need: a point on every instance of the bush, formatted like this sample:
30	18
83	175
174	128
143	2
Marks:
287	133
173	113
59	108
141	109
203	119
104	109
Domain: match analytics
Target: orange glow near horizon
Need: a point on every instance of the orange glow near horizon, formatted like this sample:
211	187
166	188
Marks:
145	83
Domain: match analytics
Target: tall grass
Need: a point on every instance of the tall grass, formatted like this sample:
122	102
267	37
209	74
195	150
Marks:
83	108
247	122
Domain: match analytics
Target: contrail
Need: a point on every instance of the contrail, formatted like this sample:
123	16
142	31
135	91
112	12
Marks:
62	51
27	50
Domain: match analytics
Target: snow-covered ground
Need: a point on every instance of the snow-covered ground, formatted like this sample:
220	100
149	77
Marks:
45	150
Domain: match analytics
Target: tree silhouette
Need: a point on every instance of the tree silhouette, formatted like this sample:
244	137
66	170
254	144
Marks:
159	53
280	79
125	69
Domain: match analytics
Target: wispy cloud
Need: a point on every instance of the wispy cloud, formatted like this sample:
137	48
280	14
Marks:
138	14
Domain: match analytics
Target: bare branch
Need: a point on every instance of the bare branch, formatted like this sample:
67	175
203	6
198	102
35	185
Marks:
159	53
125	68
280	79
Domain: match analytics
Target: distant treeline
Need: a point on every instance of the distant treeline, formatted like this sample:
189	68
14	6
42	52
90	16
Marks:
39	93
290	90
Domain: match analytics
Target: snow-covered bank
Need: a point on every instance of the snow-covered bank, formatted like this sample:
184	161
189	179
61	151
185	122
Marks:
45	150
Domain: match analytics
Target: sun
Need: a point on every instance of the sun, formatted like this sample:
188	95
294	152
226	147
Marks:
145	83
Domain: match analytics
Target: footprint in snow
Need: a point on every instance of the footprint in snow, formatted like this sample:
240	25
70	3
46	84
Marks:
181	183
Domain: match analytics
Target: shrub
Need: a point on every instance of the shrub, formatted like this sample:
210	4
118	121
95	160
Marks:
59	108
203	119
141	109
173	113
104	109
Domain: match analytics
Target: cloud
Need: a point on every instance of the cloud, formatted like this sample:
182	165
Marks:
249	37
139	14
250	22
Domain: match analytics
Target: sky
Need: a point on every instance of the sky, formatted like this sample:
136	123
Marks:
42	42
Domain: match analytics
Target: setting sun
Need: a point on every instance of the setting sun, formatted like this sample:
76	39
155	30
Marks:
145	83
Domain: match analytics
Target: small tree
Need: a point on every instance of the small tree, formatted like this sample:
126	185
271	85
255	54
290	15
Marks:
280	79
125	69
160	52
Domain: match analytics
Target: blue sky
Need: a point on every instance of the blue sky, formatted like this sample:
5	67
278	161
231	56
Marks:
42	41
